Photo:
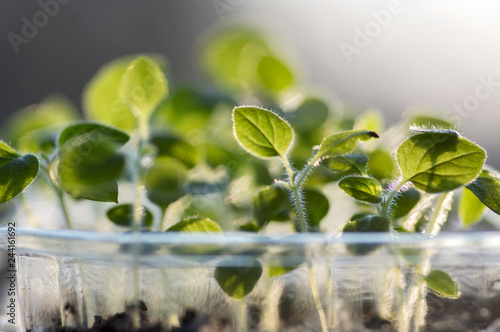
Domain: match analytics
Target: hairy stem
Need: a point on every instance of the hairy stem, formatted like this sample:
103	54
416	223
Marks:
59	194
64	209
387	203
303	224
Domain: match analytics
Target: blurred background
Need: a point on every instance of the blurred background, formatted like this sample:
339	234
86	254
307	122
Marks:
393	55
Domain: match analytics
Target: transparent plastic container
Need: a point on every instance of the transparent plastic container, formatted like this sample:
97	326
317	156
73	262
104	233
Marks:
365	282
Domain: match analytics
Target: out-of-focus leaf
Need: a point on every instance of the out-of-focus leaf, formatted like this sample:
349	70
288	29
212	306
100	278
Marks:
309	115
35	128
123	215
195	225
381	165
487	188
270	203
165	181
273	74
175	147
16	172
238	278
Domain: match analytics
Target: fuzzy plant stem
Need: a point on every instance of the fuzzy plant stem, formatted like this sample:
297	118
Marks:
139	189
302	219
59	195
388	202
417	289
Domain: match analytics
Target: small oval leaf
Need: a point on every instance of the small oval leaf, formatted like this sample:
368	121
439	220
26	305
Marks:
487	188
16	172
470	208
143	86
237	277
365	189
123	215
195	225
439	161
342	143
404	202
261	132
441	283
94	132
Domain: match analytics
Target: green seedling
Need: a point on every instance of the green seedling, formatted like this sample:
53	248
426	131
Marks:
179	150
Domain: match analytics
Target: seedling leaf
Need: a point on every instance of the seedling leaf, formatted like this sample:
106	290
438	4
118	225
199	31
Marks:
441	283
261	132
349	164
439	161
365	189
195	225
342	143
237	278
487	188
143	86
470	208
123	215
16	172
404	203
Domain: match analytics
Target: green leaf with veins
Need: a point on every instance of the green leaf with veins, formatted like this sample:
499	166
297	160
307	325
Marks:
123	215
261	132
195	225
404	202
143	86
439	161
342	143
365	189
238	278
487	188
348	164
16	172
441	283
